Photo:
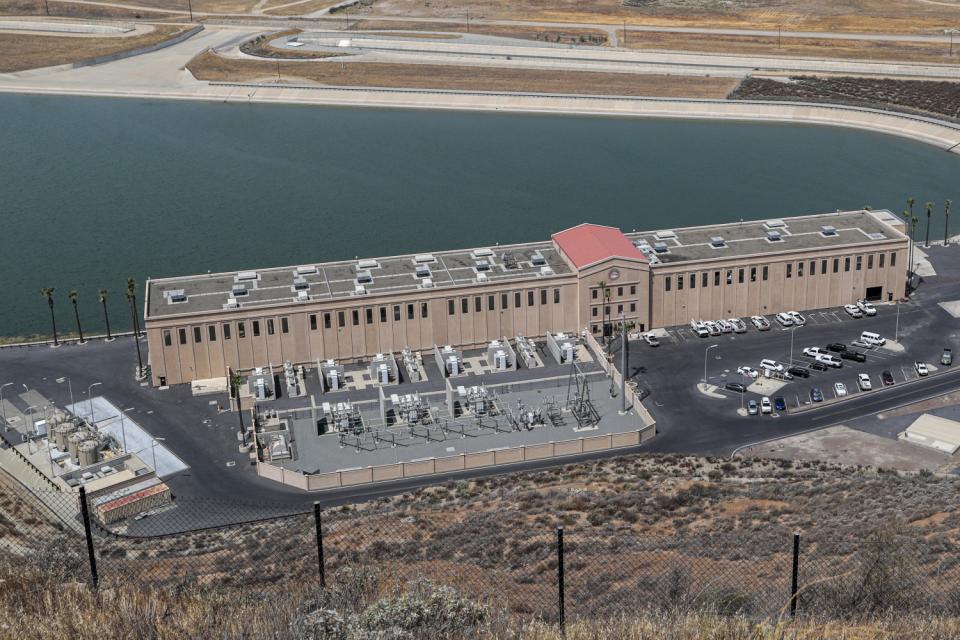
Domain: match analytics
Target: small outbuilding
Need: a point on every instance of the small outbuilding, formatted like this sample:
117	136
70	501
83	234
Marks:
934	432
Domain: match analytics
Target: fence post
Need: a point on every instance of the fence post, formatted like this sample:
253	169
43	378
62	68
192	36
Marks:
319	526
84	511
796	571
563	628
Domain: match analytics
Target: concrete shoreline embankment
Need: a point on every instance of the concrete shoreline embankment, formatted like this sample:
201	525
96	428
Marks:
927	130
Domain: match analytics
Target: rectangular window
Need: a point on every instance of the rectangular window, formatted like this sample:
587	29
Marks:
269	326
313	322
396	313
284	325
740	277
516	299
256	328
326	320
355	317
893	259
424	310
167	338
789	269
410	312
679	283
703	280
870	261
197	335
823	267
846	264
504	301
383	314
693	281
241	330
753	274
729	276
226	330
766	272
633	307
799	269
369	314
633	289
182	334
836	265
619	309
529	298
595	311
464	305
813	268
451	309
478	304
667	283
859	263
882	256
556	296
620	291
341	319
716	278
606	310
594	293
491	302
212	333
543	295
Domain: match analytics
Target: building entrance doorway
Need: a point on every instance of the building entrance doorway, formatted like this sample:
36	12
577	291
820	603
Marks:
875	293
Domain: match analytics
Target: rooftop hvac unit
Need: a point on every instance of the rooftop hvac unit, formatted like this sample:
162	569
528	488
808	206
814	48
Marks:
238	290
546	271
364	277
360	290
306	270
876	235
232	303
176	295
453	365
717	242
383	373
537	259
423	271
300	283
500	359
260	388
775	224
247	275
481	253
828	230
665	235
482	265
566	352
424	258
774	236
303	296
367	264
482	277
427	283
661	247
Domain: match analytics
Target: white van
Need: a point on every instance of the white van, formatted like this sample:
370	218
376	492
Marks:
699	328
873	339
827	359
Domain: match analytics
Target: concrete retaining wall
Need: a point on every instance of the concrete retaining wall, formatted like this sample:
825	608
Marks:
120	55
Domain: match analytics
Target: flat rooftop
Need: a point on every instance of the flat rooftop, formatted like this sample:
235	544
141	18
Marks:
336	280
746	238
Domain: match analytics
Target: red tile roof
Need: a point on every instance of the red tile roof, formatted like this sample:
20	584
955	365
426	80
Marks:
588	244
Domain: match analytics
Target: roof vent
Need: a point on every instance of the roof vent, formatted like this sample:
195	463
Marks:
482	265
175	295
364	277
232	304
775	224
423	271
360	290
537	259
774	236
665	235
481	277
424	258
427	283
876	235
827	230
367	264
300	283
661	247
481	253
546	271
247	275
717	242
306	270
303	296
238	290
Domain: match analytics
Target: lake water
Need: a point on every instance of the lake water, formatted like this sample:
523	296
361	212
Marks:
93	191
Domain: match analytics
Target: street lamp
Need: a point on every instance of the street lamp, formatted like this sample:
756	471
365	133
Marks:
153	451
792	330
123	429
70	387
32	426
90	401
3	409
896	330
705	351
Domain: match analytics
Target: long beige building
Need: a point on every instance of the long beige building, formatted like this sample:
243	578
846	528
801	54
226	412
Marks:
582	278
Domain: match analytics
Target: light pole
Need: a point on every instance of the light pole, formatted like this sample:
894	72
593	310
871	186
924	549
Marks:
896	330
3	409
705	352
90	401
153	450
123	429
70	387
792	330
31	428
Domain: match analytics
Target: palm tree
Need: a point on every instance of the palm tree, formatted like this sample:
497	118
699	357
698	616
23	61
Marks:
132	300
946	222
910	225
76	312
102	295
47	292
926	242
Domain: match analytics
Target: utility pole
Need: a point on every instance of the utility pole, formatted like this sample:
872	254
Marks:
779	36
946	222
624	33
623	364
190	7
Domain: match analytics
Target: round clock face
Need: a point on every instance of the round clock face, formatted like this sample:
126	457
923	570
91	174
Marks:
614	274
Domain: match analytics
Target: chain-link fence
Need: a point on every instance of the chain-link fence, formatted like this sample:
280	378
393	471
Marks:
555	574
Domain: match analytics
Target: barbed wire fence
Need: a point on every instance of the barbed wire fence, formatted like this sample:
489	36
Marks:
556	574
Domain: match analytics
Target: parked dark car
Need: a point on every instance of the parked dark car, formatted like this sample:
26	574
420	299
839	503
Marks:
735	386
836	347
798	372
816	395
779	403
819	366
853	354
887	378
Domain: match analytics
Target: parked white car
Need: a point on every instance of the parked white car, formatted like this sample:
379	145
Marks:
739	326
713	328
651	340
866	307
829	360
863	381
853	310
761	323
798	319
765	406
840	388
773	365
921	368
725	326
749	372
813	352
785	319
699	328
